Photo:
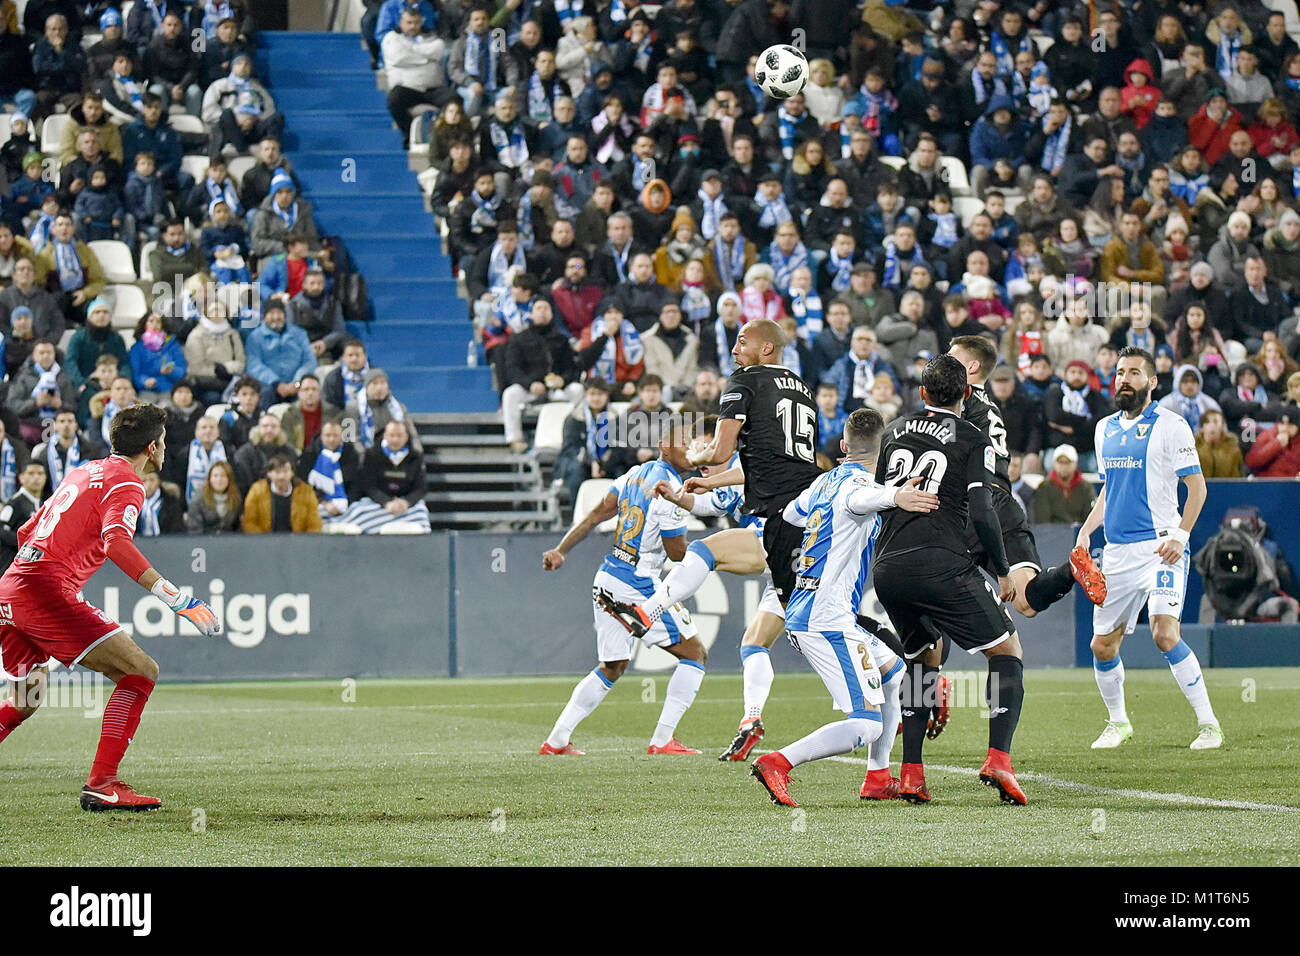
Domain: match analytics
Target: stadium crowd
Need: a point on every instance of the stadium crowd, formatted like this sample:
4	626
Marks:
277	422
1065	178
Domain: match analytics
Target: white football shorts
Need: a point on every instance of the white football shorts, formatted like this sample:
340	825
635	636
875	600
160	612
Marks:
1136	575
613	642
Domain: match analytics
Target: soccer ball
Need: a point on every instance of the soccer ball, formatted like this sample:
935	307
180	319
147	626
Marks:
782	71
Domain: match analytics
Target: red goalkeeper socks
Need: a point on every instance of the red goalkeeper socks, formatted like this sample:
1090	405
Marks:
121	718
10	718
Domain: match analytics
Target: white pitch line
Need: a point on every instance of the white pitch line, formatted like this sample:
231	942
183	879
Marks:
1074	785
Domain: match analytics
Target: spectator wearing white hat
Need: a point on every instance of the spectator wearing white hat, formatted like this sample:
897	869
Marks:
1063	497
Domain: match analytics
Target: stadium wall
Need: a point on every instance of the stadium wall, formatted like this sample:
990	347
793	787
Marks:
467	604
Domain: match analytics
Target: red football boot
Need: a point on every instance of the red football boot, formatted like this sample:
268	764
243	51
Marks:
879	785
568	750
637	622
911	784
116	795
997	772
773	772
673	746
748	734
942	710
1088	575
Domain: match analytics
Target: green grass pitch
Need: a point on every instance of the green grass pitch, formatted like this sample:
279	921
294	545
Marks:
446	772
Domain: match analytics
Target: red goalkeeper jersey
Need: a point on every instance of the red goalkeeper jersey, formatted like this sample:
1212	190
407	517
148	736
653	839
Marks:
62	545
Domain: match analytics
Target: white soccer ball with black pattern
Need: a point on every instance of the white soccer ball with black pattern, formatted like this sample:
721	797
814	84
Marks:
782	71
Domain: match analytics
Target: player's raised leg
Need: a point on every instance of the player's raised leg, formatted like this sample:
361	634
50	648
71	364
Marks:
24	700
586	697
736	550
134	672
682	688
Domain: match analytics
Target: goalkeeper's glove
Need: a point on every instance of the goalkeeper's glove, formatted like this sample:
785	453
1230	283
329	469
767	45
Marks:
187	606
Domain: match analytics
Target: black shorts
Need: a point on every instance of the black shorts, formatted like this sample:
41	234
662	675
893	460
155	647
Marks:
1017	540
931	593
783	543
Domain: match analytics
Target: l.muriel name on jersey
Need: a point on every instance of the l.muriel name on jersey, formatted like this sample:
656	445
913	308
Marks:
944	428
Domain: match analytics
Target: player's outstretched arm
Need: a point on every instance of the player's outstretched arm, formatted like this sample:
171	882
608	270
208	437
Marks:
678	496
719	479
1094	520
607	508
908	496
721	448
121	550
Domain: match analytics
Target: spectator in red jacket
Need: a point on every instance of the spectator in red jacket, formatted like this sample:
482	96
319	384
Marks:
1212	126
1272	132
1276	453
576	298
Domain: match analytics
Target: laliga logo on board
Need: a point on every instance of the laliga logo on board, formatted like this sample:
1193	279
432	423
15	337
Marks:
244	617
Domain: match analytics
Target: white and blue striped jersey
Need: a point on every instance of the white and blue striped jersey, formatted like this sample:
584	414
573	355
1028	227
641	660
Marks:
840	516
1140	461
729	500
643	521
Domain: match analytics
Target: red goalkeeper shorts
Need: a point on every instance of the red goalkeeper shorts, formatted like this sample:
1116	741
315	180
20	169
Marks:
38	628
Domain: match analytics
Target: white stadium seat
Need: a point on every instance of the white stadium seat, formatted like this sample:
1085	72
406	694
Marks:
186	124
894	162
216	411
129	305
955	173
549	435
967	207
341	527
278	409
115	257
589	495
195	165
146	273
239	166
52	132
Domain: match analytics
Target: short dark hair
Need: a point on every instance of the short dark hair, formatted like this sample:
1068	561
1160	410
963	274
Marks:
174	221
350	341
135	428
862	430
981	348
1132	351
944	381
277	461
150	99
248	382
649	379
706	425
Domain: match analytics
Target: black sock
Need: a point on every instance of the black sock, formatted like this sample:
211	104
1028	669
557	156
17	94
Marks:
915	699
1005	694
1049	586
886	636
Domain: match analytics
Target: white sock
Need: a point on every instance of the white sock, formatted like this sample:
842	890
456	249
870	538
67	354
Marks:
682	581
890	710
841	737
591	690
682	688
756	662
1187	671
1110	681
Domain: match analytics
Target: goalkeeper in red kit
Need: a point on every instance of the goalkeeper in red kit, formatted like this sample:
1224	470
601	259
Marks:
90	517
